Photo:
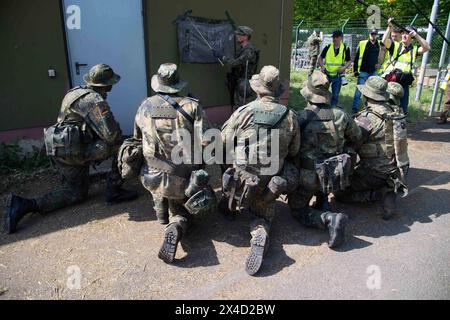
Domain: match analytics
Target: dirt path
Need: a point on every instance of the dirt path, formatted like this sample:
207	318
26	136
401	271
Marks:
115	248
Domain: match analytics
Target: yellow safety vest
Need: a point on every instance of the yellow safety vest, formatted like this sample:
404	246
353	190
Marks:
332	62
362	49
405	61
444	83
387	58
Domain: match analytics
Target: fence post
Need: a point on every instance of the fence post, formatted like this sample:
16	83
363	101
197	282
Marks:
441	65
423	68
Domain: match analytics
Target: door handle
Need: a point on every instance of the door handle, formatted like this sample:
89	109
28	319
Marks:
77	67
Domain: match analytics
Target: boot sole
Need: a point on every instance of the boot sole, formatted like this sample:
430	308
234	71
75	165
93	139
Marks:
339	239
255	259
169	247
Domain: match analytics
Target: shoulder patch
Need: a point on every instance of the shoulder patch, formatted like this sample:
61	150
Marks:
102	107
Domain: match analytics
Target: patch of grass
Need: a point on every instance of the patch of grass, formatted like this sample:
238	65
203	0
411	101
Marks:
12	159
418	110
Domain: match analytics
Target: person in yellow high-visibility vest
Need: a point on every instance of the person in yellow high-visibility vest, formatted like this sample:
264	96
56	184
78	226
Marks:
384	57
333	61
404	57
446	87
365	64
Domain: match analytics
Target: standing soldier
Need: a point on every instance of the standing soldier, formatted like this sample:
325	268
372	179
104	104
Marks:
243	67
323	164
179	191
249	185
314	42
379	175
86	133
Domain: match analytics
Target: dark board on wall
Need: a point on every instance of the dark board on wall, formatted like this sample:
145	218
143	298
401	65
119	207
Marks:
197	36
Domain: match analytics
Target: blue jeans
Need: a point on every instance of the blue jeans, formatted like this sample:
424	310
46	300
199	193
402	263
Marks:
404	102
362	78
336	84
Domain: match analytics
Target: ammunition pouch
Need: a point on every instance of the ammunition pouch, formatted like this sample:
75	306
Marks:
130	158
64	140
334	173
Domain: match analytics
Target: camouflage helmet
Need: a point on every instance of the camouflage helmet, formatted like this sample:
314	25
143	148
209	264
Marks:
244	31
101	75
167	79
316	88
202	203
395	91
267	82
375	88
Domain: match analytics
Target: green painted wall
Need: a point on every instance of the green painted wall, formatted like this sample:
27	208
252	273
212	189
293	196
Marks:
207	81
31	41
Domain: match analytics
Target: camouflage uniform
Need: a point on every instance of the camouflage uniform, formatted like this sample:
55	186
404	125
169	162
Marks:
243	124
313	51
446	87
238	81
326	132
377	176
86	133
155	124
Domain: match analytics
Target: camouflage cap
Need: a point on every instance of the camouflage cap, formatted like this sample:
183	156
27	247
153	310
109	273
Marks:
267	82
244	30
101	75
316	88
167	79
375	88
395	91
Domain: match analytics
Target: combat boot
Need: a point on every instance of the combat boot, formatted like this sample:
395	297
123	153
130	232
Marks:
16	209
172	237
115	195
259	246
163	218
335	223
389	205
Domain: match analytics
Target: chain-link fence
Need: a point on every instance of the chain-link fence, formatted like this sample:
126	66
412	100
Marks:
355	31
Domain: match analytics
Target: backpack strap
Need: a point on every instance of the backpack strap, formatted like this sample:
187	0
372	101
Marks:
177	107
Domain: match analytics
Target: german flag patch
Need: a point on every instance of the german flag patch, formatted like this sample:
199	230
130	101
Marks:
103	108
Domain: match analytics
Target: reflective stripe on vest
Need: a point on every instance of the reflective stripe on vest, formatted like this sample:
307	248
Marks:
332	62
405	60
388	57
362	49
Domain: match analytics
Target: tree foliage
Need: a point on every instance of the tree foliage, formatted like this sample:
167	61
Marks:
337	10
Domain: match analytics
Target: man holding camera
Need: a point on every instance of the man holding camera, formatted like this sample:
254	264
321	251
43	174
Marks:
403	58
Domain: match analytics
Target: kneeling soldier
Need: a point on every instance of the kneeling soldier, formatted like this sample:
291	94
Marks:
179	191
380	173
86	133
324	165
251	186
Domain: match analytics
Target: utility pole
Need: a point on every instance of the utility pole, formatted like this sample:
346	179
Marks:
441	66
427	54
